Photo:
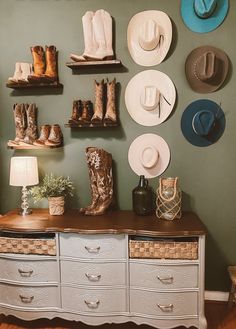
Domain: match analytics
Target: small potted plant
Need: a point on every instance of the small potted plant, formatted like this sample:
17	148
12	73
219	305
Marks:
55	189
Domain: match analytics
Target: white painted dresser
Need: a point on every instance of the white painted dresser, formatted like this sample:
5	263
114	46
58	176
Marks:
81	268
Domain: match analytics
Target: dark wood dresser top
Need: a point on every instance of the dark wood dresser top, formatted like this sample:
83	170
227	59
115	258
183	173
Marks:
114	222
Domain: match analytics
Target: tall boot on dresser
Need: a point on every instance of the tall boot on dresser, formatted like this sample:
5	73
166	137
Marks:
110	115
99	101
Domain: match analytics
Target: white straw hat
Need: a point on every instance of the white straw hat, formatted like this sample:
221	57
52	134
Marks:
150	97
149	37
149	155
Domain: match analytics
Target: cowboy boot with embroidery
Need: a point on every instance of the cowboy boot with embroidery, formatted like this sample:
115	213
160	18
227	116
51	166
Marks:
31	133
43	135
110	115
76	111
104	181
20	124
55	137
38	64
93	163
86	113
51	74
99	101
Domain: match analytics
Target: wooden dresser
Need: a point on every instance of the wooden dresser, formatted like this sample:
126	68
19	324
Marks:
81	268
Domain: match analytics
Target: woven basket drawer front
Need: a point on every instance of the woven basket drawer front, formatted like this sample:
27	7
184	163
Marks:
93	246
94	300
164	303
163	249
93	274
28	246
163	277
28	271
29	297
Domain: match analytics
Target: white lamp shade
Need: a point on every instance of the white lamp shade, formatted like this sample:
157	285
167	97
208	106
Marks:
24	171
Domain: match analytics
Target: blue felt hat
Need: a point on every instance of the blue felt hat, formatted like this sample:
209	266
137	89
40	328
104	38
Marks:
204	15
203	122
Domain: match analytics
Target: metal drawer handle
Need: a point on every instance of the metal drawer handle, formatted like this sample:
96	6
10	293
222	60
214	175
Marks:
92	250
25	274
92	304
93	277
166	308
26	299
166	280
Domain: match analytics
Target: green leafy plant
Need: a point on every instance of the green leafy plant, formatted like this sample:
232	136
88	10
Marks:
52	186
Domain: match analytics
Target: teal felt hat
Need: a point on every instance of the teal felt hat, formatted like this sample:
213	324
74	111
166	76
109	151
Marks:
203	122
203	15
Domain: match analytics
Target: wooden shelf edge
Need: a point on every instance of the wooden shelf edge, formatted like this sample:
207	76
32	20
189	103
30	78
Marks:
32	147
33	85
91	125
86	64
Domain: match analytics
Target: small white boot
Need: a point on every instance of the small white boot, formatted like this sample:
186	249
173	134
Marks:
90	45
17	74
27	70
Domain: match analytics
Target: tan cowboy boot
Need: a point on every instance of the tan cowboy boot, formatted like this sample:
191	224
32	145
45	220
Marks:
92	164
99	101
55	137
38	64
51	74
86	113
110	115
20	124
31	133
102	161
43	135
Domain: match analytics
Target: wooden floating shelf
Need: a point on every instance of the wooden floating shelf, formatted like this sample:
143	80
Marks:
31	147
33	85
87	64
91	125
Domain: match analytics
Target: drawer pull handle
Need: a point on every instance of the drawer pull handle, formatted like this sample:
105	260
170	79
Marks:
25	274
166	308
92	250
92	304
93	277
166	280
26	300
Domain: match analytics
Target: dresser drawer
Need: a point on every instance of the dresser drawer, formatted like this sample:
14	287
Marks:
28	271
94	300
29	297
163	277
96	246
98	274
163	303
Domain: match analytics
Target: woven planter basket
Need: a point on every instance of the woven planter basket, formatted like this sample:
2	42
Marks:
56	205
28	246
163	249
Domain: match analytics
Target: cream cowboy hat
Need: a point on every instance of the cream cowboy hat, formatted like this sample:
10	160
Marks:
149	155
149	37
150	97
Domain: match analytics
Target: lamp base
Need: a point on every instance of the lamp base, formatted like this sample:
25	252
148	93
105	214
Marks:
25	212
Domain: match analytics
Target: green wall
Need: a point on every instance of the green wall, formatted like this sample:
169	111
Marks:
207	175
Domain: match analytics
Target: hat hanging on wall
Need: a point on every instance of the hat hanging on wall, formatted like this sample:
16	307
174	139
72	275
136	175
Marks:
203	122
206	69
149	155
149	37
150	97
204	15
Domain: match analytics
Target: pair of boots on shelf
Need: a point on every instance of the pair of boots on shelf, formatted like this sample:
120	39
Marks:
104	109
97	30
101	181
50	135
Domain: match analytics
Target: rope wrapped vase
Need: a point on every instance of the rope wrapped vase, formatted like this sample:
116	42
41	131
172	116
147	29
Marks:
169	199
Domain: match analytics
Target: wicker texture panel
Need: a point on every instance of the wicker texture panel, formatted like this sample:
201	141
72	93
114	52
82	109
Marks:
28	246
163	249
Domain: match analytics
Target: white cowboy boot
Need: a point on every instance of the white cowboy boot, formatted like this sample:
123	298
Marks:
17	74
102	26
90	45
27	70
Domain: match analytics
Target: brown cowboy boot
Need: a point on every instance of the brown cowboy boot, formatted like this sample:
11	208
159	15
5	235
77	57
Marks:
102	162
31	130
51	74
110	115
20	124
38	64
99	101
76	111
92	164
86	113
43	135
55	137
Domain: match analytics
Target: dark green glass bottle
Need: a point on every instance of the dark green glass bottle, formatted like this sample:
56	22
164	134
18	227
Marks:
142	196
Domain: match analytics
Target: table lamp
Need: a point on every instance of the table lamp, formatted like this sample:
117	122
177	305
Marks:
24	172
